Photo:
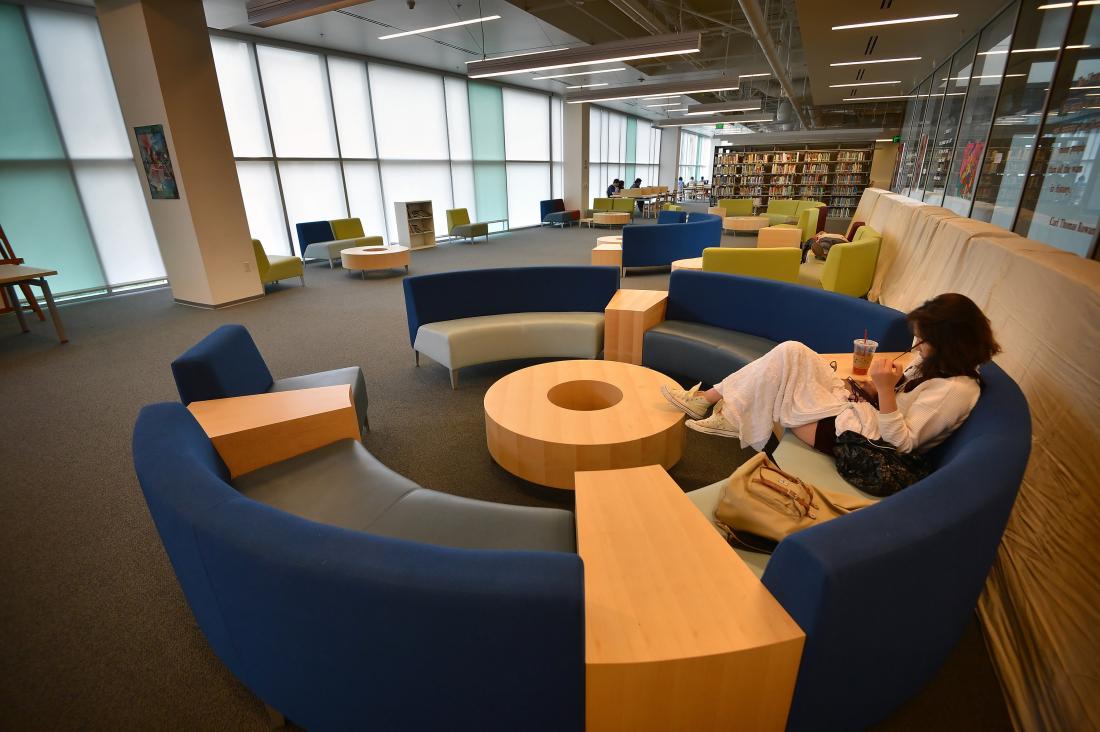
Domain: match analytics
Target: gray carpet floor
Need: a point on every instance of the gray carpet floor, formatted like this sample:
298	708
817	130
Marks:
95	631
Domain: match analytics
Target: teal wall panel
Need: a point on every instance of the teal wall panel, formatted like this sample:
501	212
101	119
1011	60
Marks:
487	145
631	150
491	191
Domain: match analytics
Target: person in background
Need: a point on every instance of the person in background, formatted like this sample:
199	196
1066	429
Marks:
639	203
918	408
680	188
637	183
613	188
621	184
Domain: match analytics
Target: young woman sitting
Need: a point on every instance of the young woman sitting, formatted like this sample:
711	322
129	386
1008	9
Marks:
793	386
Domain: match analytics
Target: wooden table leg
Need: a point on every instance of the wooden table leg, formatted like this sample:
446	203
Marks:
14	299
57	326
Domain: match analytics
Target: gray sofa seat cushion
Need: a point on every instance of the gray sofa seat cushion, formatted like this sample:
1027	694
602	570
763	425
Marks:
343	485
713	353
352	375
797	458
470	230
329	249
487	338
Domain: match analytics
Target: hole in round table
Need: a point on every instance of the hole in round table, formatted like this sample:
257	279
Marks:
585	395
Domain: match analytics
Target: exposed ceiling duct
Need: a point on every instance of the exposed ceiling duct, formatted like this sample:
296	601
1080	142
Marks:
759	26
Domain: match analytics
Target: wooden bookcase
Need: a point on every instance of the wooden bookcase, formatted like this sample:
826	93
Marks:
415	224
835	175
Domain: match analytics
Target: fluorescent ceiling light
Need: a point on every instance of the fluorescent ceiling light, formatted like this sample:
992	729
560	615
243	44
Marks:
685	108
885	139
1048	49
418	31
709	124
896	21
862	83
663	104
516	55
869	99
667	90
722	111
575	73
877	61
745	105
1079	88
585	86
982	76
624	50
752	76
695	91
1055	6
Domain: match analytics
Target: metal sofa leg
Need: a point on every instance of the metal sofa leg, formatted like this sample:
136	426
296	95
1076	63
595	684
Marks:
366	422
454	378
330	262
302	277
417	354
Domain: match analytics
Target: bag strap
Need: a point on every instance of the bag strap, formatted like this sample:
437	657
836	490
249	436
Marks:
807	505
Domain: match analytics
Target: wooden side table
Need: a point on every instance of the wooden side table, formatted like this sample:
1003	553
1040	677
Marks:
608	252
695	264
12	275
252	431
626	319
782	235
679	632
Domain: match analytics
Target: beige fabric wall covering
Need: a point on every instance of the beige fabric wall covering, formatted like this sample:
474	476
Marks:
1041	605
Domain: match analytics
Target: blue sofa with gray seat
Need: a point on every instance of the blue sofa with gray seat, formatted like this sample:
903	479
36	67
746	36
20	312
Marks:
479	316
347	597
661	244
885	593
227	363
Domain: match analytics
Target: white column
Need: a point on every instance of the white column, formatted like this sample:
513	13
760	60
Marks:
670	156
575	170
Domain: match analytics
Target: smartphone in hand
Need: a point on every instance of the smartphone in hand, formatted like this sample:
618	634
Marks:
861	392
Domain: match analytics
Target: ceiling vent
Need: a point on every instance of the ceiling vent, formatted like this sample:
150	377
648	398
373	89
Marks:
871	43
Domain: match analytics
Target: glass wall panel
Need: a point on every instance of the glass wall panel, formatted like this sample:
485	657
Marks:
1028	75
458	120
351	99
981	96
528	183
365	196
296	89
464	191
240	88
911	108
263	206
119	219
1061	202
312	191
914	149
527	126
486	121
927	145
419	181
416	129
491	191
631	138
943	143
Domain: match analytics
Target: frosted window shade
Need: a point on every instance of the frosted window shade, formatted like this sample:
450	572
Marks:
411	118
464	190
313	191
262	205
240	89
556	128
296	89
528	183
353	107
365	196
458	120
115	207
418	181
526	126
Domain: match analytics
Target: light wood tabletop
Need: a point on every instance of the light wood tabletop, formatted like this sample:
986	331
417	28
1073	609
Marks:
679	632
252	431
11	274
628	315
844	362
545	422
21	274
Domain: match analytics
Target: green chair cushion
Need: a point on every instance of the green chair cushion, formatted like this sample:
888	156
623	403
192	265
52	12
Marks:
736	206
346	228
779	263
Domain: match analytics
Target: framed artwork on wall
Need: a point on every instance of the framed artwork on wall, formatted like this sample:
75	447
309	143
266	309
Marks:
158	164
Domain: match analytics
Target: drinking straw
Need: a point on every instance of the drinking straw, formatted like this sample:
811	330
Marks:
864	335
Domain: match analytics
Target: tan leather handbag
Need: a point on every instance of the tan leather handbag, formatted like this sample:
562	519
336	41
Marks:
762	505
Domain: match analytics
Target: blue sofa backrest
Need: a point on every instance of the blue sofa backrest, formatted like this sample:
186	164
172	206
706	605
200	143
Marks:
779	311
551	206
310	232
470	293
225	363
651	245
885	593
671	217
340	629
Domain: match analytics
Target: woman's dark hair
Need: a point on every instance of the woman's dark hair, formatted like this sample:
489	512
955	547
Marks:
959	334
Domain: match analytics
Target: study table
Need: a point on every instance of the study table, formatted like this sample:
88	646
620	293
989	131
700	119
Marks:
12	275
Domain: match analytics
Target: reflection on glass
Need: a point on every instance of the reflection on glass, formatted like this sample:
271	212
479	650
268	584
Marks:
1061	202
903	147
1028	74
914	146
981	96
928	127
943	142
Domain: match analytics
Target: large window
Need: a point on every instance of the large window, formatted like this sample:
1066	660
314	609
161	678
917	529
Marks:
342	147
696	157
623	147
70	195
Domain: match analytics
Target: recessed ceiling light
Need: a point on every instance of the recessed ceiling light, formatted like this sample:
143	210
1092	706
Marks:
624	50
576	73
877	61
896	21
585	86
862	83
418	31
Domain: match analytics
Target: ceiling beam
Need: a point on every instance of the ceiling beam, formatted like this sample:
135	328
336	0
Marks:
266	13
751	9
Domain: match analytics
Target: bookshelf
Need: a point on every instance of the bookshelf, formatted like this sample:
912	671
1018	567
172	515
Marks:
836	176
415	224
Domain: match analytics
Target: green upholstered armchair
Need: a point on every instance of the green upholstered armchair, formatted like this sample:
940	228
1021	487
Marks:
811	218
671	207
789	211
274	267
623	205
602	204
458	224
850	268
780	263
736	206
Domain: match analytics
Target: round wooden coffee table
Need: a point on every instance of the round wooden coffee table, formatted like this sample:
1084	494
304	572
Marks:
390	256
545	422
695	263
744	224
611	218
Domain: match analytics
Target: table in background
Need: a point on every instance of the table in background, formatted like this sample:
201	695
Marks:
694	264
679	632
608	252
390	256
744	224
18	274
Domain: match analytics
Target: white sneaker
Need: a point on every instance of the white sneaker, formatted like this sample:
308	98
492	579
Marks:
690	402
715	424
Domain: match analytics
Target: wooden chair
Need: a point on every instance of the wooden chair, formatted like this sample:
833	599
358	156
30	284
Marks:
7	256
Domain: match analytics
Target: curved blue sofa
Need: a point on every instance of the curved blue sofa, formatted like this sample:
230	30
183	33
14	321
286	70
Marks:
343	629
661	244
883	594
